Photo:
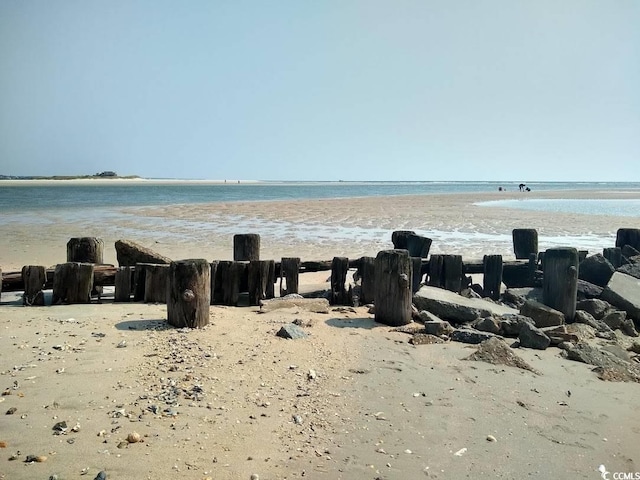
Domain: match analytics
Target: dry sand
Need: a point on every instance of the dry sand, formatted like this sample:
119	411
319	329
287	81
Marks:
353	400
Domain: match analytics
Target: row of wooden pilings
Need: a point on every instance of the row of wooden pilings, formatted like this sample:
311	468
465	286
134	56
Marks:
222	282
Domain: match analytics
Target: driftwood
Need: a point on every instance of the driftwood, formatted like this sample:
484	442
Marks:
189	293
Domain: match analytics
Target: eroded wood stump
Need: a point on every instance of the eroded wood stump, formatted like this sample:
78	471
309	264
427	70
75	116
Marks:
628	236
492	277
259	280
230	276
399	238
525	242
216	291
393	287
34	278
130	253
416	274
72	283
560	283
340	295
246	246
367	272
418	245
85	250
156	283
290	272
123	284
189	293
446	271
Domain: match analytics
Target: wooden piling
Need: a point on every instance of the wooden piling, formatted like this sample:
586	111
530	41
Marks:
525	242
189	293
393	287
72	283
289	270
399	238
231	275
85	250
367	272
259	279
339	293
492	277
34	277
156	283
123	284
416	273
246	247
628	236
418	245
453	273
560	283
215	291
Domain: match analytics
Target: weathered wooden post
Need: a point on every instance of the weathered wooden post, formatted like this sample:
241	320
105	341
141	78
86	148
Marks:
123	282
614	255
525	242
270	291
189	293
231	275
416	273
0	282
339	294
72	283
259	280
436	270
216	292
628	236
492	278
33	277
367	271
140	281
399	238
290	271
156	283
560	283
393	287
418	245
246	246
85	250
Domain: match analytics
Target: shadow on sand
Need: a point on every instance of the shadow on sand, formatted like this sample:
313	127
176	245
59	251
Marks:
366	323
156	324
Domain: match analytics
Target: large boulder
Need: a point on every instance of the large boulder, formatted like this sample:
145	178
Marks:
455	308
632	269
587	290
510	325
596	269
517	296
473	337
129	253
623	291
542	315
594	306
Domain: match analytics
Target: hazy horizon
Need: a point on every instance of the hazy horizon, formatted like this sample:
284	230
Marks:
322	91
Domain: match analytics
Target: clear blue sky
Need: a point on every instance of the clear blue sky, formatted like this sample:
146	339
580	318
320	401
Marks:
322	90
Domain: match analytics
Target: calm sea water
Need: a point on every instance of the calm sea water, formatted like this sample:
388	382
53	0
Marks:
21	198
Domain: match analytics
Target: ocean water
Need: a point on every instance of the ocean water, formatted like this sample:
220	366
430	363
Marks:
22	198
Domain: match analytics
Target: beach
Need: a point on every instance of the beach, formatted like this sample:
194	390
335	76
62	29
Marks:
352	400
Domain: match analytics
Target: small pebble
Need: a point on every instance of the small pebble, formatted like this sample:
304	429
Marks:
407	451
491	438
101	476
11	411
254	476
133	437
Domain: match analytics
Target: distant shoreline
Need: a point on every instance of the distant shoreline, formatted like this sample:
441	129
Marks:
94	180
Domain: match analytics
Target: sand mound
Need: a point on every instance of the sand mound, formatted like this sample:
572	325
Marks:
496	352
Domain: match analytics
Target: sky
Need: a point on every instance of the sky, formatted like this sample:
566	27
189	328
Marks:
542	90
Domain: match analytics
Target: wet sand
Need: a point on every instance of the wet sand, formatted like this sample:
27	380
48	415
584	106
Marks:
352	400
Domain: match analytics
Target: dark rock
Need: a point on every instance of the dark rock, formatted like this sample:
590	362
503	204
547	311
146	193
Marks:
609	366
628	251
586	318
623	291
629	328
426	316
587	290
614	318
487	324
532	337
517	296
129	253
631	269
635	259
542	315
101	476
510	325
455	308
470	336
596	307
596	270
291	331
438	328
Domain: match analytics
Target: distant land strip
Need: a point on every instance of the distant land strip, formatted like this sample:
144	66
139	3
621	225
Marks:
108	175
